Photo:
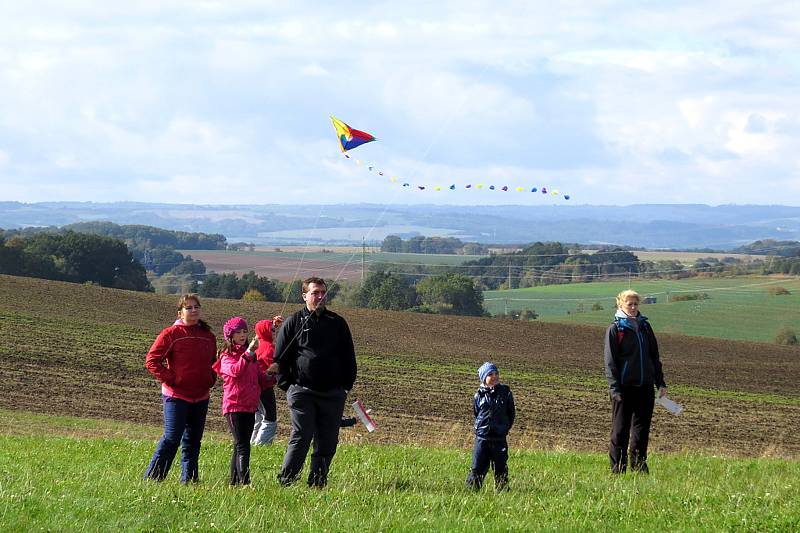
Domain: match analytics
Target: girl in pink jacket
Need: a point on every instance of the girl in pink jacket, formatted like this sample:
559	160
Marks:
242	382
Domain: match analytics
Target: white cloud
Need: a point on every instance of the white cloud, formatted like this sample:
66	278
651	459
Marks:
314	70
674	102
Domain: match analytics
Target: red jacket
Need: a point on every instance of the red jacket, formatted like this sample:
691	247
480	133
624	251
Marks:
181	359
266	350
242	380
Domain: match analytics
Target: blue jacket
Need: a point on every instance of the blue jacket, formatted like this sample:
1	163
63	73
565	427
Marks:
631	355
494	412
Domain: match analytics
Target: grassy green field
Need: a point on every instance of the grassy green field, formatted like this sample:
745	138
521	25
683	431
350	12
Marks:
739	308
63	474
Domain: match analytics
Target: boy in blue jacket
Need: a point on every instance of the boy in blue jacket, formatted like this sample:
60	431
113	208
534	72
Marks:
494	415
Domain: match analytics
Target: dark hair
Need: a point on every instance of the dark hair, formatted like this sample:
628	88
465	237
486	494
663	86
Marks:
313	279
184	299
227	346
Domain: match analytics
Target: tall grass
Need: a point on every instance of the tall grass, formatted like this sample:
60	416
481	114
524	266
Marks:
69	484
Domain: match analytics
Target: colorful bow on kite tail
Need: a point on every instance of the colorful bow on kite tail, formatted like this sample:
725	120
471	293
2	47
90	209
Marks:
350	138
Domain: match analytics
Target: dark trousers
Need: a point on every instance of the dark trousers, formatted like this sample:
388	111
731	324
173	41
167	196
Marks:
315	415
184	423
267	399
241	426
630	422
487	453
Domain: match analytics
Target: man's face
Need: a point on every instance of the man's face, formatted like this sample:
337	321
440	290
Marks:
315	296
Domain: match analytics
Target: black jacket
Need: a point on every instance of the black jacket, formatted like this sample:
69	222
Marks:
494	412
315	351
631	356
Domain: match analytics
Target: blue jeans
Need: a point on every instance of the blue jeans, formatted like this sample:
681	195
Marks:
184	423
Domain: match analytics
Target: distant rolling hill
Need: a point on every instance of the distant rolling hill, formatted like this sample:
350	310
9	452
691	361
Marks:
652	226
79	350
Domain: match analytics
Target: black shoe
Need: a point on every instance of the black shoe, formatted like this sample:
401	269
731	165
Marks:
618	468
640	468
286	481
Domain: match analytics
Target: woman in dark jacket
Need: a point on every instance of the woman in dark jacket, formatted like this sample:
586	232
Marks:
633	369
181	359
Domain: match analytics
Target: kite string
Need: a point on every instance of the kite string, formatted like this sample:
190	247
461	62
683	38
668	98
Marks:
434	140
302	258
425	153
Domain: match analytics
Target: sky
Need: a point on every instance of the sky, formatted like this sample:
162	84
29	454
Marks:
228	102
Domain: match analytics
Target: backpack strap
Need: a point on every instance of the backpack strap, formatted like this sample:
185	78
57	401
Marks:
620	332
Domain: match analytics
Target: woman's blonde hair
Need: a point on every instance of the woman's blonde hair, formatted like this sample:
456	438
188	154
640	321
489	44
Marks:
624	295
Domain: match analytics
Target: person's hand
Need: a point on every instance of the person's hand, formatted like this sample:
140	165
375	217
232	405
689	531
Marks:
277	320
253	344
616	397
272	369
662	391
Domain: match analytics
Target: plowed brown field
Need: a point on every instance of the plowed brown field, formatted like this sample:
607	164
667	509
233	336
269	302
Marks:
79	350
280	268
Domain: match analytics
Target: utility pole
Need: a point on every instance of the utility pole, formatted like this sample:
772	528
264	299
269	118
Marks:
363	257
509	274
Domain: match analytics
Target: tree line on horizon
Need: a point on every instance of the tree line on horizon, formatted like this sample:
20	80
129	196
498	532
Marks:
117	256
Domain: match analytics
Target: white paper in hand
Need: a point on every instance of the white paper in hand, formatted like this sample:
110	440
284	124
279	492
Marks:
669	405
363	415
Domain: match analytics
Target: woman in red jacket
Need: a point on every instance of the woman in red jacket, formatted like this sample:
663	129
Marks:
181	359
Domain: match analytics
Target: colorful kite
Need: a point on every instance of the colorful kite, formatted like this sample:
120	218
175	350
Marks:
350	138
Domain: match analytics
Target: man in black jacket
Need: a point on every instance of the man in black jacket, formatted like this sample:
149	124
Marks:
317	368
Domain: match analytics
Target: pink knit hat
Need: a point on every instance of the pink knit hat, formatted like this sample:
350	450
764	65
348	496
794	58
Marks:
233	325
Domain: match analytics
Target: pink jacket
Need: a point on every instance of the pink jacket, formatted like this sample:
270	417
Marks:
242	381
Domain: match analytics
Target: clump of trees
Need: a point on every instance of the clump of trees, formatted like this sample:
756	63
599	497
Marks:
786	336
74	257
431	245
452	294
551	263
771	247
690	297
230	285
526	315
156	248
778	291
139	236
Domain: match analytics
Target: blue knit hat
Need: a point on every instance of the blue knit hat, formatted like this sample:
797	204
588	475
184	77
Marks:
486	369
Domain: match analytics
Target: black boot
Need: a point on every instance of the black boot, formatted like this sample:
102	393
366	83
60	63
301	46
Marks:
474	481
639	463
